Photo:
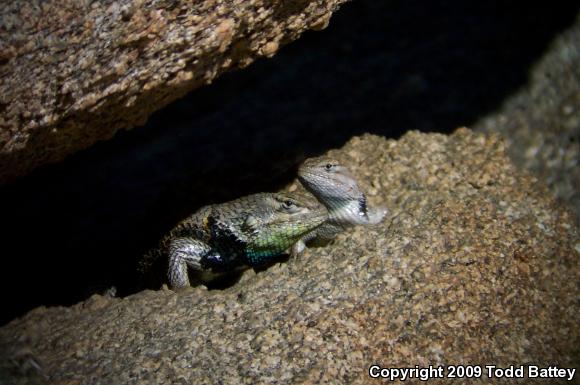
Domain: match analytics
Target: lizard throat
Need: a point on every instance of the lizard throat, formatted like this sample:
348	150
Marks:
348	211
362	204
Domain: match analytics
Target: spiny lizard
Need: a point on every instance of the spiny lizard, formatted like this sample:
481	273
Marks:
233	236
337	189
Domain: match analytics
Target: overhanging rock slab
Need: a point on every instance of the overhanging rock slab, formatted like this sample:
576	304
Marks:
74	72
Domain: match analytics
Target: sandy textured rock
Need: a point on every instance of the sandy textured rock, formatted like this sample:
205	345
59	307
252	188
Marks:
74	72
476	264
541	122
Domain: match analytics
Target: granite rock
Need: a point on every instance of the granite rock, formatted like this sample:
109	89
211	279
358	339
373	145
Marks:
541	122
74	72
475	264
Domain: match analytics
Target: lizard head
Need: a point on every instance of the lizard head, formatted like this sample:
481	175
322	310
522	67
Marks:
328	180
285	220
296	211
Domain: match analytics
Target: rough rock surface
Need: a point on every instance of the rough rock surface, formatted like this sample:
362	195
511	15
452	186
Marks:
74	72
476	263
541	122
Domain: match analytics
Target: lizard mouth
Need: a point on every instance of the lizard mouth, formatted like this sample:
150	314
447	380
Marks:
306	217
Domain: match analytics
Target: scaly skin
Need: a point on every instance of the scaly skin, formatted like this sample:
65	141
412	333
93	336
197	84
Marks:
239	234
336	188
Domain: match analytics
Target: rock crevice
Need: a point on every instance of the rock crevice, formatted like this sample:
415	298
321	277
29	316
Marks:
476	264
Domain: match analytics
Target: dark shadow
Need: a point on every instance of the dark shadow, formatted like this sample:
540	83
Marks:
79	227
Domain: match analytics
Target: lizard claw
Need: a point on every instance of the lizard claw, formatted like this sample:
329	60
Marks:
297	249
377	215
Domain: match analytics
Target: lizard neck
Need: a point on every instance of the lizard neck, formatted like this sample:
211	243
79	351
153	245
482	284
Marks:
348	211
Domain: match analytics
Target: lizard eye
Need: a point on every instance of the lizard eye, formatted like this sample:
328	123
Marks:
329	166
288	204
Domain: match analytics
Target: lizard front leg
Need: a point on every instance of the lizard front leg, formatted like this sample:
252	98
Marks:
376	214
297	248
184	252
300	246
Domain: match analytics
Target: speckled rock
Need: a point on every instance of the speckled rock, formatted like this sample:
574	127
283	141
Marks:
74	72
541	122
476	264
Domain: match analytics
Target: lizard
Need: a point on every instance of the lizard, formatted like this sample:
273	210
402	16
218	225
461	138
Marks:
337	189
233	236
